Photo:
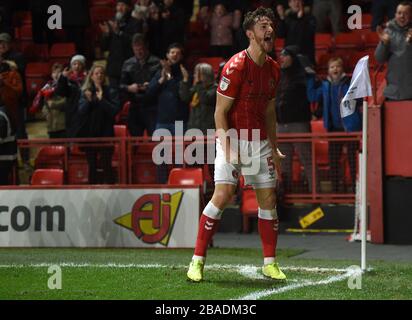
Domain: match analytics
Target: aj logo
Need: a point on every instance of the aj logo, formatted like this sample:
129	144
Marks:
153	217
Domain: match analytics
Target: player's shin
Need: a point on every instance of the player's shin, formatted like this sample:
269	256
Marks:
208	225
268	225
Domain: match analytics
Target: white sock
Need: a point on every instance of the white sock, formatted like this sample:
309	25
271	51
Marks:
199	258
268	260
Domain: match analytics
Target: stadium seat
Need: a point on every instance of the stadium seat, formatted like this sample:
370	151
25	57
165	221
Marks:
348	40
35	52
144	171
62	52
101	3
99	14
366	21
371	40
186	176
321	146
78	172
37	74
22	18
121	117
47	177
323	41
120	130
51	157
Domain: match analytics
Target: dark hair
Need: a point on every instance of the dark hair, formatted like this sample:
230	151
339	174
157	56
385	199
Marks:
138	38
175	45
406	3
252	17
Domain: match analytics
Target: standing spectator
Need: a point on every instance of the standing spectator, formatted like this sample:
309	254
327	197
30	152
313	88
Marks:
382	9
222	24
331	93
293	113
8	145
141	12
117	36
11	88
7	53
53	105
78	71
172	24
136	75
395	47
154	30
165	86
76	18
328	12
298	27
201	95
98	107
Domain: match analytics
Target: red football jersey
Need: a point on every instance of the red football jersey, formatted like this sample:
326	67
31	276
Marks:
252	87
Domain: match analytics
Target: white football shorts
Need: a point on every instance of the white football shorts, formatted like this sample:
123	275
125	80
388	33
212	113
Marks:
255	164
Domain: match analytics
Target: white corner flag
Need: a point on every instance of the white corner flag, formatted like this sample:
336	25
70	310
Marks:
360	87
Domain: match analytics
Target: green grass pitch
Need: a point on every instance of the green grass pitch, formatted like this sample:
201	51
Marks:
143	274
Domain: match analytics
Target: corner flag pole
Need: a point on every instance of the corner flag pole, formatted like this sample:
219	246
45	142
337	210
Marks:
364	183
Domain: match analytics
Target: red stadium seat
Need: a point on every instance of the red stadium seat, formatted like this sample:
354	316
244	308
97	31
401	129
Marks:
186	176
321	146
37	74
366	21
121	117
35	52
120	130
47	177
348	40
371	40
78	172
144	171
62	52
99	14
323	41
22	18
51	157
102	3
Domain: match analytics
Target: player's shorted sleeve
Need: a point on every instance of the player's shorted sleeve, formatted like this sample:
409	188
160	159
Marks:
230	81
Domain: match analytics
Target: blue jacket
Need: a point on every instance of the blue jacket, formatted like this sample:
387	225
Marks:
324	94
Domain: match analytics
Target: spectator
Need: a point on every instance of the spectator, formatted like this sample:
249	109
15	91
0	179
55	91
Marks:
172	24
11	88
395	47
53	105
293	113
382	9
136	75
298	27
78	71
201	96
8	145
7	53
117	36
165	86
76	18
331	93
154	30
222	24
98	107
141	13
328	12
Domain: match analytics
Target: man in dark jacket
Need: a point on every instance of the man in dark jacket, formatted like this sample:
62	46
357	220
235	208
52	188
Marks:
8	145
297	26
136	75
117	36
293	113
170	107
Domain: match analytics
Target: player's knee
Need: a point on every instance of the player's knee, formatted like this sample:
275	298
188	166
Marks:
268	202
221	198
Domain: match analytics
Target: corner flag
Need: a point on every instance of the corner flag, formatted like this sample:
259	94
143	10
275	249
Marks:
360	87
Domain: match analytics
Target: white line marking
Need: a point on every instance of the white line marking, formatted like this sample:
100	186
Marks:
149	266
264	293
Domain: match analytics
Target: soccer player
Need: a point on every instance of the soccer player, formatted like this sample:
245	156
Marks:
245	100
